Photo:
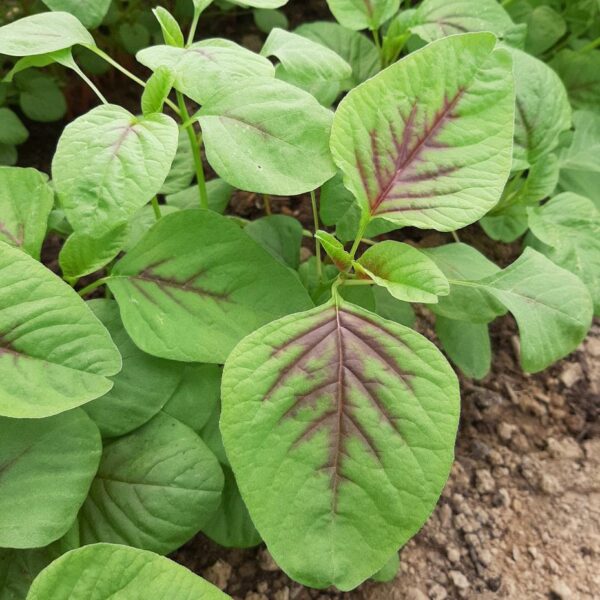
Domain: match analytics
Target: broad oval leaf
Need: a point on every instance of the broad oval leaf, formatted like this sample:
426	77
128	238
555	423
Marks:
143	386
46	468
206	66
363	14
109	163
43	33
18	569
428	141
268	137
155	488
26	200
542	112
583	151
580	72
194	301
552	307
407	273
13	132
280	236
90	14
116	572
54	353
353	426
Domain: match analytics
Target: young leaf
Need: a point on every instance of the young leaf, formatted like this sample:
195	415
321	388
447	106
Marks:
428	141
545	27
8	155
363	14
192	301
467	345
355	48
389	571
580	72
169	26
543	110
266	19
54	353
140	390
219	194
460	262
280	236
43	33
157	91
207	66
116	572
231	526
12	130
197	395
435	19
582	154
182	169
552	307
353	426
506	225
90	14
40	97
307	64
155	488
47	466
26	200
335	250
268	137
570	225
109	163
83	254
407	273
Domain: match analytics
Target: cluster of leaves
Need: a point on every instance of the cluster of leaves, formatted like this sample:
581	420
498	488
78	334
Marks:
329	431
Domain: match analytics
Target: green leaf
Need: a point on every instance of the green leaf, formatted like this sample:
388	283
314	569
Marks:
552	307
18	569
335	250
389	571
155	488
54	353
582	154
268	137
211	435
353	427
280	236
63	57
307	64
363	14
46	468
141	222
182	170
467	344
570	225
335	200
407	273
583	183
391	308
266	19
541	181
428	141
201	5
436	19
507	225
12	130
197	395
460	262
83	254
543	110
219	194
169	26
134	36
355	48
207	66
43	33
545	27
231	526
90	14
157	91
131	575
580	72
41	99
8	155
26	200
140	390
319	287
261	3
188	301
109	163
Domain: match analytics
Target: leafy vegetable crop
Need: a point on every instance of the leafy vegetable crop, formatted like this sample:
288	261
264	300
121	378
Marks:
223	384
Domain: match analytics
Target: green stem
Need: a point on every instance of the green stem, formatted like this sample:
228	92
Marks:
267	202
591	45
364	222
313	200
377	40
455	236
156	208
87	80
193	26
90	288
185	117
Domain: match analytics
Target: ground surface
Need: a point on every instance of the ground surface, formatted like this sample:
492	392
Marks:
520	515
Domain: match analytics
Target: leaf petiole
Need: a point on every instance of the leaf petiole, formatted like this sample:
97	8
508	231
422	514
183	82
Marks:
88	289
313	201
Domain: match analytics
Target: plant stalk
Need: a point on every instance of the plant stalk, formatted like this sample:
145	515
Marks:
89	82
90	288
193	26
590	46
185	117
364	222
313	201
156	207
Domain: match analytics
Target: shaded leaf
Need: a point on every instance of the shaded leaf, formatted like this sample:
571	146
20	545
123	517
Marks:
280	236
12	130
90	14
582	154
157	91
580	73
169	26
40	99
363	14
219	194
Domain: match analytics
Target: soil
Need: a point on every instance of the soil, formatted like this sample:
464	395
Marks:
520	515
